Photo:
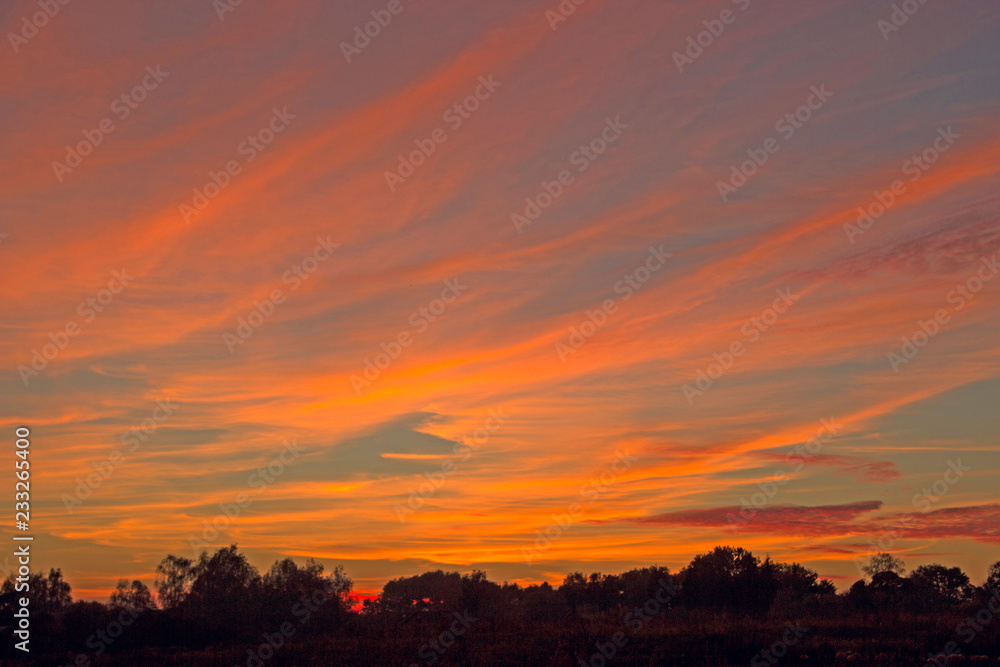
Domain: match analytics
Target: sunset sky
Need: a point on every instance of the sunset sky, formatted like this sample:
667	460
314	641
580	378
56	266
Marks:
620	130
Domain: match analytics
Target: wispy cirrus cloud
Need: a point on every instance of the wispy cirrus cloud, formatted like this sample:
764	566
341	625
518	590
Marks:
324	176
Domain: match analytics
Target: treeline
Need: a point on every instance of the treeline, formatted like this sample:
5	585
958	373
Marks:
724	605
216	599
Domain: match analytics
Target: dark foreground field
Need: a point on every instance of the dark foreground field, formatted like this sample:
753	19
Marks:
670	640
727	607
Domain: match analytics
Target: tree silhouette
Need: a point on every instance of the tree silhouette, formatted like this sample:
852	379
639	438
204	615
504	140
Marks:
938	584
47	594
174	576
430	591
882	562
226	591
220	607
135	596
286	584
798	587
993	577
641	584
482	597
729	578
